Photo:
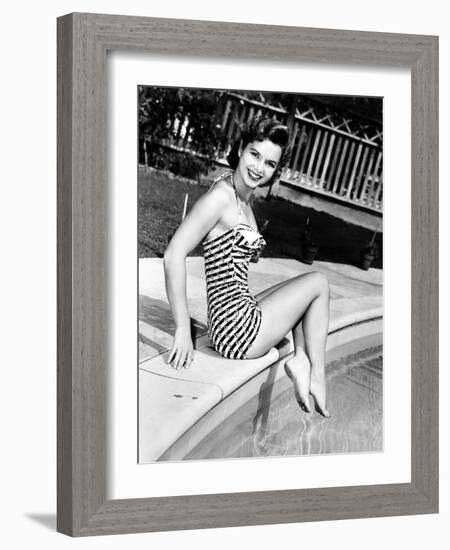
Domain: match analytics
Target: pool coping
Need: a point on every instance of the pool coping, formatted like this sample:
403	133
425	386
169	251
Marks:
267	385
181	398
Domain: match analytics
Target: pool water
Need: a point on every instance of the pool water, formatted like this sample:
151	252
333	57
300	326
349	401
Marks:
272	423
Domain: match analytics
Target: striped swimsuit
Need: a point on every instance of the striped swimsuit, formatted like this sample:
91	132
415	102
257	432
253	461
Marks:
234	316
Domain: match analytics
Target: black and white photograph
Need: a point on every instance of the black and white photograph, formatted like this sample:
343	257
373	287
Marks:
222	250
260	276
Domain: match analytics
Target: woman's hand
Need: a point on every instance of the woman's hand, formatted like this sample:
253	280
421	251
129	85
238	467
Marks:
257	255
255	258
182	352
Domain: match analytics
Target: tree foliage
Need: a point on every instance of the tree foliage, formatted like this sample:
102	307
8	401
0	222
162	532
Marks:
183	118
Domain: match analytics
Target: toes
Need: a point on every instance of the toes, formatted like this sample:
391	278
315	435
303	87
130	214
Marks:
305	408
319	408
304	404
323	411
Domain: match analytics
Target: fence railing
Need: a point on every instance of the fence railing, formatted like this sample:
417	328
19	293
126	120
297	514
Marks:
334	155
326	157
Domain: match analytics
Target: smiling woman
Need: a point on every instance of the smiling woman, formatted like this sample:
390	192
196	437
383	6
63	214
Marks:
261	151
258	163
239	326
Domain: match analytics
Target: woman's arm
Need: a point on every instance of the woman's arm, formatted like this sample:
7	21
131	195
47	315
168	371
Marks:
204	215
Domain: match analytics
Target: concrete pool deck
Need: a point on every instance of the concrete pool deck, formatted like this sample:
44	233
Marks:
171	401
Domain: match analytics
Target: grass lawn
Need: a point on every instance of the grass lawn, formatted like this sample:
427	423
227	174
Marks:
161	200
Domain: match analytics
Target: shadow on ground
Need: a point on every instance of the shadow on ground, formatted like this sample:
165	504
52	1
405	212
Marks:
161	201
46	520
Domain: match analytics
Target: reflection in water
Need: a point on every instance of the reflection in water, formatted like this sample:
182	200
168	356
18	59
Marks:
261	417
267	426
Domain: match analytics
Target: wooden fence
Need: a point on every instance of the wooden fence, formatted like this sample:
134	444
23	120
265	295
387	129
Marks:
334	155
329	157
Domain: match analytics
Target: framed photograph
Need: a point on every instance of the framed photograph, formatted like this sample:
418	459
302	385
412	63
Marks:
326	209
323	147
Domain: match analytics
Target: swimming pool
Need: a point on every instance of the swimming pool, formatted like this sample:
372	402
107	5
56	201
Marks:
270	423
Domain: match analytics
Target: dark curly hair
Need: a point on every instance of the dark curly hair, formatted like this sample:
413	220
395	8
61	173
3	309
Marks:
259	129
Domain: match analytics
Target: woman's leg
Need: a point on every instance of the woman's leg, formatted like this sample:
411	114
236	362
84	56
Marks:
306	298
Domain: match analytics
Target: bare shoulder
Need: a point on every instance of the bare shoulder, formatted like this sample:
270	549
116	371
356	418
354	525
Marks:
221	194
223	191
217	199
222	200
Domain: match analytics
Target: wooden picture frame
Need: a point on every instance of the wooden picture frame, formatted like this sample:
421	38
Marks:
83	41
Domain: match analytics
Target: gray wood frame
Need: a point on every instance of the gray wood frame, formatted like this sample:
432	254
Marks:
83	41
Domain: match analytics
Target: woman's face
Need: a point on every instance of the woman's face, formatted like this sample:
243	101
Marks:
258	162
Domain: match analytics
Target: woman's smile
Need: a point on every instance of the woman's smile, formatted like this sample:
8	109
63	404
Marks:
258	162
253	175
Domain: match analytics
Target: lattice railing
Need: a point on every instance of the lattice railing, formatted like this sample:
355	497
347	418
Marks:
333	153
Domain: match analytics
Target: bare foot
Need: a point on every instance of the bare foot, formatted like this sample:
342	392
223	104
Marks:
318	390
299	371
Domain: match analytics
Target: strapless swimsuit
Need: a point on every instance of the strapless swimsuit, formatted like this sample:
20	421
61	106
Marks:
234	316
